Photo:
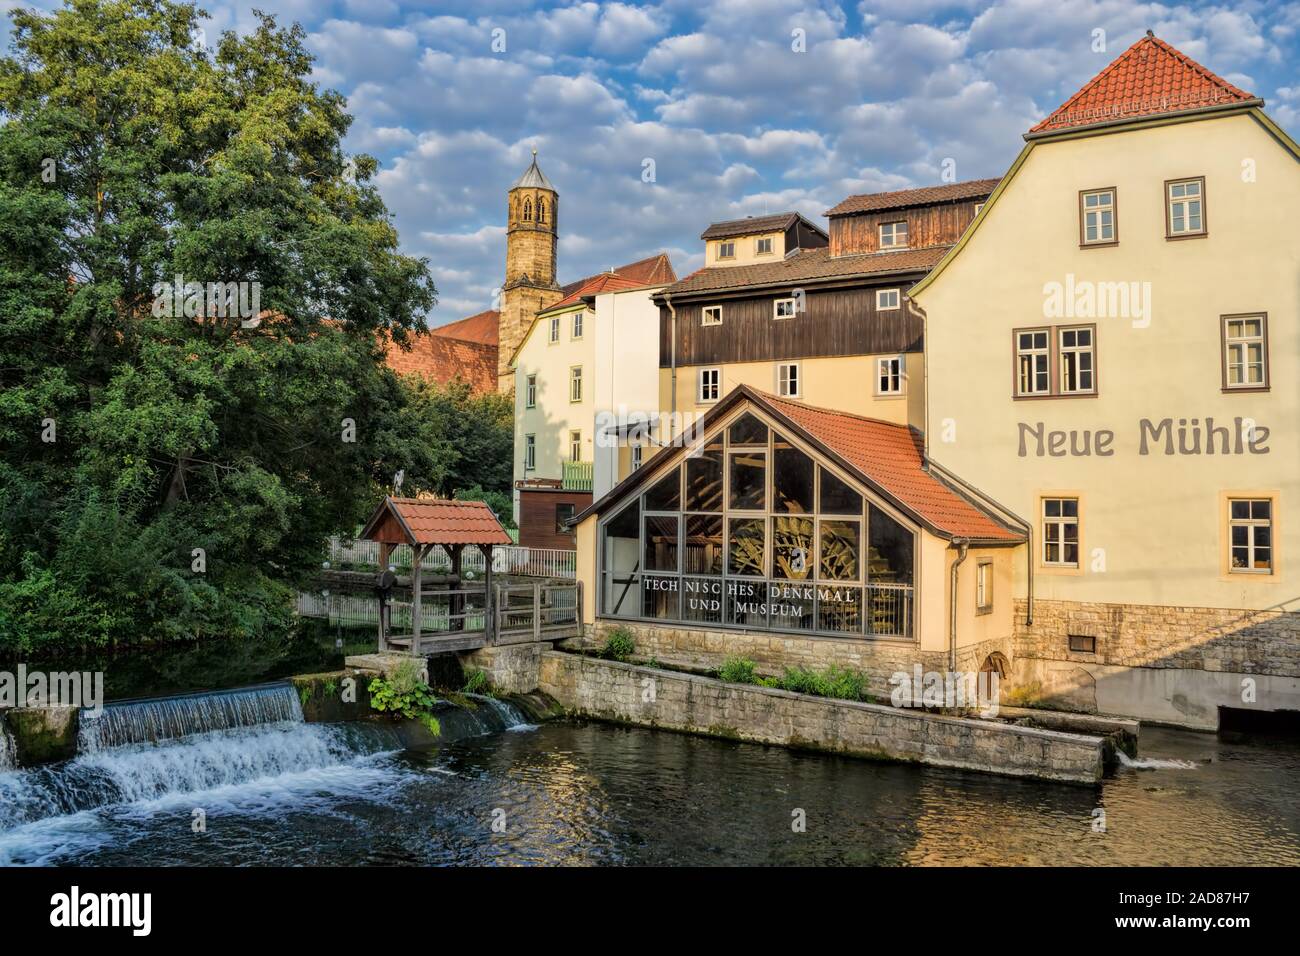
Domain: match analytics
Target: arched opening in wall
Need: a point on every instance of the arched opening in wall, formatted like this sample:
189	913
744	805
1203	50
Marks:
996	663
528	210
541	210
1241	720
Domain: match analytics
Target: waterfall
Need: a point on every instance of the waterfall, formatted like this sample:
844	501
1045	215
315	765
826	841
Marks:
167	718
483	715
1153	763
7	760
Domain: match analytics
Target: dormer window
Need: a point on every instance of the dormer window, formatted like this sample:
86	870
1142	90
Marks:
893	235
726	250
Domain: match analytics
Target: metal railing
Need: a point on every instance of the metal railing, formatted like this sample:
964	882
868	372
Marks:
507	559
888	610
576	475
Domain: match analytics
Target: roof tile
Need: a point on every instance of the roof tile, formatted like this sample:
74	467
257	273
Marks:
808	264
906	198
442	521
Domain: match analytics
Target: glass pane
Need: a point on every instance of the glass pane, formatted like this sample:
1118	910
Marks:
748	430
792	542
704	478
837	498
1052	507
622	594
889	555
745	546
702	600
839	608
791	606
703	544
747	603
1260	508
661	543
1240	535
1241	509
1239	557
840	546
792	478
748	478
623	540
659	597
1262	560
664	494
1070	507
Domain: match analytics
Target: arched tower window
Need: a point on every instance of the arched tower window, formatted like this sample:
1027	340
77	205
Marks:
528	210
541	210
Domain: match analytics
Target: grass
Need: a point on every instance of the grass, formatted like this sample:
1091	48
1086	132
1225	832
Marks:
835	681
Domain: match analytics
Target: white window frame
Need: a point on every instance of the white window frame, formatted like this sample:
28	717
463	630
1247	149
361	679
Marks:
704	315
979	206
758	246
881	303
575	445
1092	216
530	453
723	246
1237	346
984	586
530	391
575	330
1067	353
554	331
893	234
708	391
575	383
1054	531
1252	524
776	308
637	456
1035	354
1185	201
891	375
789	380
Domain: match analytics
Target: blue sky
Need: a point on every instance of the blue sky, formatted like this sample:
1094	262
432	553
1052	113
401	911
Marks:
736	121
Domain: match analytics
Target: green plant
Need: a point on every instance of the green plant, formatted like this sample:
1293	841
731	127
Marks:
737	670
304	694
619	646
476	682
405	692
836	681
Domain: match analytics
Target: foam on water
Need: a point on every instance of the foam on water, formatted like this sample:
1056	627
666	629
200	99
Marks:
1154	763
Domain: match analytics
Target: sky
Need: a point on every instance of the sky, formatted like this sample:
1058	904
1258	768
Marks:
653	120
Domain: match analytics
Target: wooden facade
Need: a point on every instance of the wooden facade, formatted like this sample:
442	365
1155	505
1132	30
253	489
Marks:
539	509
936	225
801	236
838	321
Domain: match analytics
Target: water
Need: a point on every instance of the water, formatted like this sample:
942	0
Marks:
6	747
586	793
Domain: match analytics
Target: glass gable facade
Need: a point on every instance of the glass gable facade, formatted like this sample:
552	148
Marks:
750	531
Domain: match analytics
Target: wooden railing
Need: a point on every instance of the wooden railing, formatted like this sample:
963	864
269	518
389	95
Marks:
507	559
576	475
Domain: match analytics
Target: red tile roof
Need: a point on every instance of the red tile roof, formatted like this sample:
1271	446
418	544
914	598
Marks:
442	360
1150	78
889	456
434	521
653	270
605	282
481	328
906	198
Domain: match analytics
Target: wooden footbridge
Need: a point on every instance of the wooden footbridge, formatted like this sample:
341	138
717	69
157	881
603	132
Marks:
465	608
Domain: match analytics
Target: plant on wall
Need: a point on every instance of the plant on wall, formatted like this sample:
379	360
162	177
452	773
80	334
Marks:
404	692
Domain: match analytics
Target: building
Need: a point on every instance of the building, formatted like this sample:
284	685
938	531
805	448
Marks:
1112	353
465	351
786	308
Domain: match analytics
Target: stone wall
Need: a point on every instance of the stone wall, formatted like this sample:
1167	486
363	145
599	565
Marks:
772	653
676	701
511	668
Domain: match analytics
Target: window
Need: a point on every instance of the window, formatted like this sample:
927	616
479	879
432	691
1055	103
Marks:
978	207
889	375
886	299
541	210
1185	208
1075	356
893	235
710	384
563	515
530	452
787	379
637	456
1245	352
763	247
530	392
1097	218
555	329
528	210
726	250
576	332
711	315
984	587
575	446
1032	374
783	308
1250	535
1061	532
1082	643
575	383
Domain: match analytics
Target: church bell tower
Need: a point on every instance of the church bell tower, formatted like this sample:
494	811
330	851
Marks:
532	219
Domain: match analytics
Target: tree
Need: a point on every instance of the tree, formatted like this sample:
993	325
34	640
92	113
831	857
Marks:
171	459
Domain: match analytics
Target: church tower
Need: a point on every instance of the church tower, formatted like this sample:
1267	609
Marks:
531	231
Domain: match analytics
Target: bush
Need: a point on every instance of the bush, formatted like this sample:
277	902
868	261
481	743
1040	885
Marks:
476	682
836	681
405	693
737	670
619	646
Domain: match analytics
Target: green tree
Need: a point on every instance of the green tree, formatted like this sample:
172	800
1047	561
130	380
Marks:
172	476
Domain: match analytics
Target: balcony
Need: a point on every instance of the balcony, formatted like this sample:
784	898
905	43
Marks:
576	476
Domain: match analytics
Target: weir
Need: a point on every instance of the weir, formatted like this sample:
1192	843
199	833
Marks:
7	761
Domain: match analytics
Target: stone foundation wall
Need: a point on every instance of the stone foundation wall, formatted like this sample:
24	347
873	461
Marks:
665	699
512	668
